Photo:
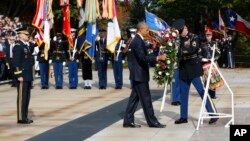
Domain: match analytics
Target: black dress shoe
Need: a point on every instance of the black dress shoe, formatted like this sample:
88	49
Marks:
213	120
30	120
157	125
131	125
23	122
102	88
176	103
118	87
43	87
181	120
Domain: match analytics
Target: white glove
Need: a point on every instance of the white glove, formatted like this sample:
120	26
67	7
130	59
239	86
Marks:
204	60
98	38
50	61
54	38
64	63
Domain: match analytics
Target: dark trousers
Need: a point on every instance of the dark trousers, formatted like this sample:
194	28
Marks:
102	65
87	69
44	73
73	73
23	99
118	71
140	92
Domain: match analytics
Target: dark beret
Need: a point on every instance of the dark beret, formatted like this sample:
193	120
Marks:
178	24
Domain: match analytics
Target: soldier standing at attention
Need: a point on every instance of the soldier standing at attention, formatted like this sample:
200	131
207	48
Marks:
116	59
44	68
207	52
58	52
22	63
190	70
72	63
102	59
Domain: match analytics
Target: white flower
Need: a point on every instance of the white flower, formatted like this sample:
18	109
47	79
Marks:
167	74
157	65
168	61
170	43
174	34
160	72
166	35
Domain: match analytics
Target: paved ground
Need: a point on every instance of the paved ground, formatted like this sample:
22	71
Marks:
96	115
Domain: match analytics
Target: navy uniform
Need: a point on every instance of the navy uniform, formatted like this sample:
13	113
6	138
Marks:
116	59
58	56
102	57
72	63
87	75
44	68
190	69
207	52
23	62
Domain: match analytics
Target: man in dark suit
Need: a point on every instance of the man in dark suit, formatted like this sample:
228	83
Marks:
22	63
139	58
9	44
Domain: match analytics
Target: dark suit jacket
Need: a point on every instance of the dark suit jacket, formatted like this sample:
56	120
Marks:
139	60
7	45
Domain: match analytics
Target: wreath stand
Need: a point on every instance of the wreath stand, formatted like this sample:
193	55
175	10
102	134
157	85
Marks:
205	115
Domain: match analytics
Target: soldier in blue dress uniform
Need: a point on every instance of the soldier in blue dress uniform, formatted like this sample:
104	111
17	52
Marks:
190	69
207	52
116	59
102	57
22	64
58	53
44	68
72	63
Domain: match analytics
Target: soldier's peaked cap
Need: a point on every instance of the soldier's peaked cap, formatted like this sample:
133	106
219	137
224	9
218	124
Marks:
22	31
178	24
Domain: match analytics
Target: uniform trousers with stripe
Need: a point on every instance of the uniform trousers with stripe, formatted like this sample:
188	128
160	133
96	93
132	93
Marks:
185	87
23	99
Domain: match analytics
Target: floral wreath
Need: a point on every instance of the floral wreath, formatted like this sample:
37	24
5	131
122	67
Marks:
168	42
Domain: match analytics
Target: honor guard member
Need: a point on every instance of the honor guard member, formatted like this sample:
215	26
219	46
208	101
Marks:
72	62
102	57
117	65
86	69
58	52
44	68
22	62
131	35
207	52
190	69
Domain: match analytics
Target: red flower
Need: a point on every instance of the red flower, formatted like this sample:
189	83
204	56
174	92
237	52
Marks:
163	67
